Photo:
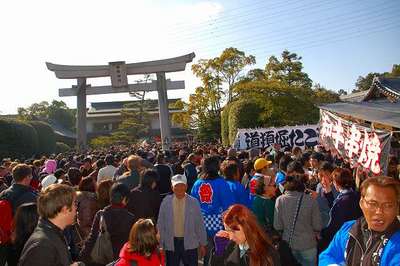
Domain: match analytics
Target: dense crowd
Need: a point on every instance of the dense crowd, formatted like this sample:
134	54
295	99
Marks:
144	206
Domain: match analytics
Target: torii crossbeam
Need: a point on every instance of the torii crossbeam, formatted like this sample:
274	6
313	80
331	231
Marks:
118	72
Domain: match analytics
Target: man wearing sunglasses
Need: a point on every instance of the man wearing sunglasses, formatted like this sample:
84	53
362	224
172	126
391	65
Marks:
375	238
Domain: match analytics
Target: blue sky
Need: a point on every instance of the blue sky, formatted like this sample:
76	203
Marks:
338	40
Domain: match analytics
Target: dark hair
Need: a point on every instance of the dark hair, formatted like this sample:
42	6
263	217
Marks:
58	173
305	157
284	161
317	156
248	166
294	183
21	171
100	164
149	177
277	157
383	182
87	184
143	238
160	158
229	169
53	198
109	159
343	177
25	221
295	167
74	176
326	166
210	167
259	243
118	192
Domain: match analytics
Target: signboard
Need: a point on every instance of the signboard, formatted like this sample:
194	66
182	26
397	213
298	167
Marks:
119	78
289	136
357	144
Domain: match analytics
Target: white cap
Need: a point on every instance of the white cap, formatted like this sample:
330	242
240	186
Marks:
178	179
48	180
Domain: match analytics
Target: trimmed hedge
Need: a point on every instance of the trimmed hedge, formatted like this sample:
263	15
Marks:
61	147
225	125
46	137
243	114
17	139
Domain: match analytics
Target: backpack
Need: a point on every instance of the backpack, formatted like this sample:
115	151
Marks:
6	221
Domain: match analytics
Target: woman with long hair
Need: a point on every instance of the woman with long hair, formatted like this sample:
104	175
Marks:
249	245
142	247
25	223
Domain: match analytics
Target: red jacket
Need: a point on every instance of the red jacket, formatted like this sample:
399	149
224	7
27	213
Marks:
156	259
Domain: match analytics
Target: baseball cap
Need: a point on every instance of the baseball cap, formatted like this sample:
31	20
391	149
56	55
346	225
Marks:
178	179
261	163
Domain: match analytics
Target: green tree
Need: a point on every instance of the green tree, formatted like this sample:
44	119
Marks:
57	111
289	70
364	83
321	95
135	124
204	111
182	118
230	64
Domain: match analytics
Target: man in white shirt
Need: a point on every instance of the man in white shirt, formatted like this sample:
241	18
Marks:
108	171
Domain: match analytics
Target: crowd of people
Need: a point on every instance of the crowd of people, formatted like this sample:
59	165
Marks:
144	206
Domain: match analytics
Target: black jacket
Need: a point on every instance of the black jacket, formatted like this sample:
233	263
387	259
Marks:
46	246
17	195
118	221
144	203
231	257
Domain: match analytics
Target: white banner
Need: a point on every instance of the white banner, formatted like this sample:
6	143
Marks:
288	136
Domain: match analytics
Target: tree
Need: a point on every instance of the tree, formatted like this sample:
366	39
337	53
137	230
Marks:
321	95
204	111
135	124
364	83
289	71
342	92
230	64
57	112
182	118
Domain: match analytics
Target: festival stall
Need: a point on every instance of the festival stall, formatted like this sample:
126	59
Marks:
364	128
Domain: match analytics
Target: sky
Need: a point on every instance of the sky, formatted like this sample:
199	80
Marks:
338	40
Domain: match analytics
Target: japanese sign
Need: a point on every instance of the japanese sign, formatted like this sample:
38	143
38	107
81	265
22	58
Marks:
289	136
357	144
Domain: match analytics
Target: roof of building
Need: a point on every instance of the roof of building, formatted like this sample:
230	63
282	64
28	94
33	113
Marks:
379	104
118	105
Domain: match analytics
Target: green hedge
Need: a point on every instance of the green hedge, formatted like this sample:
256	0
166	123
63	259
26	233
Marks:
61	147
225	125
243	114
46	137
17	139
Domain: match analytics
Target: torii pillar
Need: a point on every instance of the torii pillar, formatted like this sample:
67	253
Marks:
118	72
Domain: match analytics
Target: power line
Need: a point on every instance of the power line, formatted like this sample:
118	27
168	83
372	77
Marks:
289	35
242	7
234	29
251	21
330	40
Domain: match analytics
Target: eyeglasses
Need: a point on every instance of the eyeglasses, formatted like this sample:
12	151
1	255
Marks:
385	207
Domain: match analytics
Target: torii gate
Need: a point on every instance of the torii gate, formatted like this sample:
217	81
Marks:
118	72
